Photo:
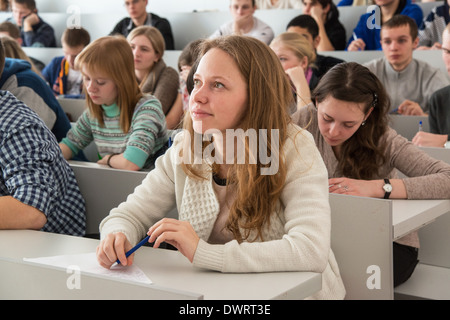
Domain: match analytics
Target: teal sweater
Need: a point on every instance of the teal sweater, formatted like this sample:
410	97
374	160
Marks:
145	138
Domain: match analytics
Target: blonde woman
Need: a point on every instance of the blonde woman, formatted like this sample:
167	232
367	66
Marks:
14	50
297	57
153	75
127	126
249	216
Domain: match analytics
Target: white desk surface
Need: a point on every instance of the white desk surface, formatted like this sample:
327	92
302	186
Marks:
167	269
410	215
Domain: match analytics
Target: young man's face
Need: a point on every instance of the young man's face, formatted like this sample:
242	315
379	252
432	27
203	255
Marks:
398	46
241	8
136	8
446	50
19	11
305	33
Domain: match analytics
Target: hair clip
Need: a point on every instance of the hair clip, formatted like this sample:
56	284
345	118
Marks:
375	99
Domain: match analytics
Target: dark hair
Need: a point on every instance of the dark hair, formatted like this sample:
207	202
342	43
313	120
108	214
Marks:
362	154
30	4
75	37
189	54
400	20
307	22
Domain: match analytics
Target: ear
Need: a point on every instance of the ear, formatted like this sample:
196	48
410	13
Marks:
304	63
326	9
415	43
316	42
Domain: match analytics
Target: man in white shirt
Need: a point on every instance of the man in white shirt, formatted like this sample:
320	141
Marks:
244	23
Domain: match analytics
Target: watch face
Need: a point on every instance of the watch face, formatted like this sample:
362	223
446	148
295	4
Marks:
387	188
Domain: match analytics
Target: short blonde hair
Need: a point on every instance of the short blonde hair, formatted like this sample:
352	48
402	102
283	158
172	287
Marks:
297	44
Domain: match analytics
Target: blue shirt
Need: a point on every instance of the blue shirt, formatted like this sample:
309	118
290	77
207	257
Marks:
34	171
368	28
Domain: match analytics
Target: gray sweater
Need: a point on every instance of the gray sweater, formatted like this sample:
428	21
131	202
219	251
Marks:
427	178
417	82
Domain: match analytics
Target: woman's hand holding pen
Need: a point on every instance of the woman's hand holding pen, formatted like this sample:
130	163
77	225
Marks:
357	45
179	234
113	247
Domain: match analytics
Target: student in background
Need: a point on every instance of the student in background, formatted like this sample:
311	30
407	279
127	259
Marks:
18	78
4	5
153	75
38	189
366	35
140	17
349	122
127	126
439	113
343	3
409	82
432	27
35	32
234	216
186	60
8	28
306	26
14	50
331	31
60	73
278	4
296	56
245	23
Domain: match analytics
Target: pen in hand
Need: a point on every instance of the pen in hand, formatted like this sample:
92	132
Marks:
355	37
140	244
420	126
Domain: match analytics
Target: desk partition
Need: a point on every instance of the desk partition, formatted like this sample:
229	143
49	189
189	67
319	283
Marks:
103	189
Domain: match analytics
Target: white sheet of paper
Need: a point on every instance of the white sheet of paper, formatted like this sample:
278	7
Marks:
87	262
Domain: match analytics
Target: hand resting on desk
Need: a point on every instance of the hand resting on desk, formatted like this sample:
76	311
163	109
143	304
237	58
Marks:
366	188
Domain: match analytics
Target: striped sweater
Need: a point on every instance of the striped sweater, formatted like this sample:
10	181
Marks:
146	136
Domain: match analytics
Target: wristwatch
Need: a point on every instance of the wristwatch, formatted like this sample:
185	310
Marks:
387	188
447	145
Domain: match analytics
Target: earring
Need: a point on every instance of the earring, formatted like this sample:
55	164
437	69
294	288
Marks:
363	123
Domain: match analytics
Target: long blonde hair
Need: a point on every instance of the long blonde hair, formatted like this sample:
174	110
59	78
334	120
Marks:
269	96
14	50
112	56
156	39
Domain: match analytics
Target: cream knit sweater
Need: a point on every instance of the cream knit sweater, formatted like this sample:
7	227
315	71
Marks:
297	239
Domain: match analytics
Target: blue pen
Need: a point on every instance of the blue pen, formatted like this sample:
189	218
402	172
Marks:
420	126
394	111
135	248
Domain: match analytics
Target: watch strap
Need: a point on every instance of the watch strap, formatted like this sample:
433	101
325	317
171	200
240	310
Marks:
386	194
